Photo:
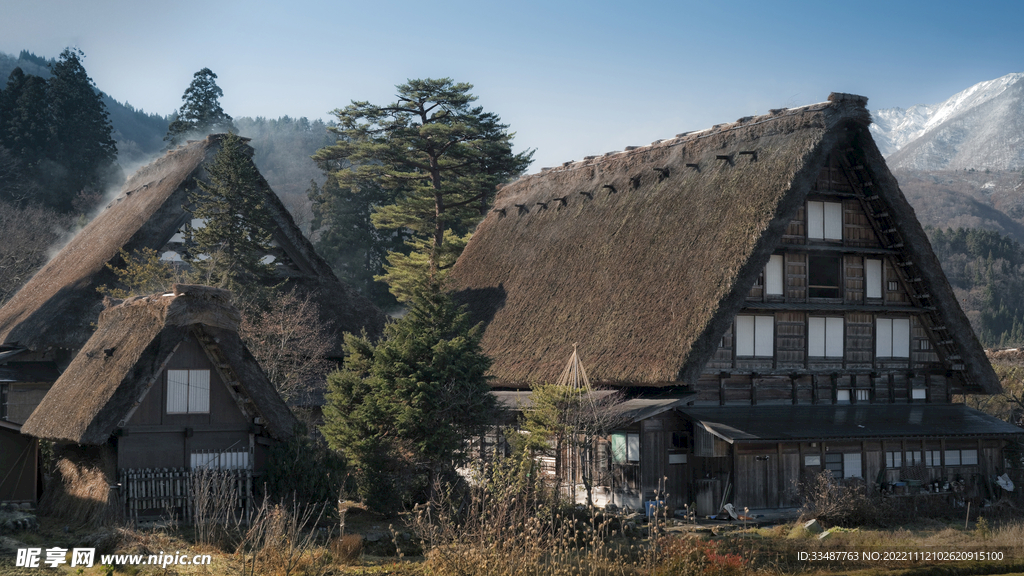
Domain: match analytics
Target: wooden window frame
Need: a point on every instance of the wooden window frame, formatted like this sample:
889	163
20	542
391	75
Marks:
758	340
827	212
197	395
828	326
892	349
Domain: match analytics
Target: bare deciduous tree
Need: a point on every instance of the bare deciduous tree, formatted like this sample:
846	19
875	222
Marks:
289	342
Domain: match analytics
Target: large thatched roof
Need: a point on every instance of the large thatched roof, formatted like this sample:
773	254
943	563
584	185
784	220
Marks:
128	351
58	307
643	257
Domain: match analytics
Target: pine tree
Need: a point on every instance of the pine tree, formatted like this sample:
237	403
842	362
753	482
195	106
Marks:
80	129
412	400
439	157
24	118
228	250
200	112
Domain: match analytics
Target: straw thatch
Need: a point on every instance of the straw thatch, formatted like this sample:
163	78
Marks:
59	306
643	257
127	354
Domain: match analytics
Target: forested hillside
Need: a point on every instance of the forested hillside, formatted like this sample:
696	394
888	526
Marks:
986	271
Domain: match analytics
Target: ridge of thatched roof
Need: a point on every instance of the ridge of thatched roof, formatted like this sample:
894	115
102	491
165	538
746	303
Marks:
644	256
58	307
127	353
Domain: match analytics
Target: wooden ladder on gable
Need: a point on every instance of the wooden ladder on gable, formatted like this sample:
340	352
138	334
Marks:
909	271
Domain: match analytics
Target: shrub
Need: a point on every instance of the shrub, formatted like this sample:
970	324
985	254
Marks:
685	555
835	503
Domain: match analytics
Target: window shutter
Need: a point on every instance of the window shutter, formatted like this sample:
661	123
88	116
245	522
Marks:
873	278
815	336
833	220
764	334
834	337
851	465
773	276
883	337
901	337
744	335
816	220
177	391
198	391
619	448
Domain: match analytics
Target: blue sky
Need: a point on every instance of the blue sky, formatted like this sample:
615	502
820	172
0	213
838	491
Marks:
570	78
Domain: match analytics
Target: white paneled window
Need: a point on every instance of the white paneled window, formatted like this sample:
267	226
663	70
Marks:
952	458
188	391
919	394
863	395
892	338
842	396
914	457
238	460
851	465
755	336
773	276
825	337
893	459
825	220
872	278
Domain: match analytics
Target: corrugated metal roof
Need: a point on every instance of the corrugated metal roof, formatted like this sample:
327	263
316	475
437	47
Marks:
837	422
633	409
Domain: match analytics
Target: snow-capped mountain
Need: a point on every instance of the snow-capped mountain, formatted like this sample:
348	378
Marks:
981	127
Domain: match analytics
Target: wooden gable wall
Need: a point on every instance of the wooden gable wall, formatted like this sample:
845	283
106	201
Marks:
152	438
790	374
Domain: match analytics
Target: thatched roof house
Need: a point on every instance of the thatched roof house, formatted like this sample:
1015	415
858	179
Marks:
58	307
107	385
645	257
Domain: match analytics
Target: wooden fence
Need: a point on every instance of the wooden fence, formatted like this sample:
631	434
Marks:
152	492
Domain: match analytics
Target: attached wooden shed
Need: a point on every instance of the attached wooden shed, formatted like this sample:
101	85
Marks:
19	470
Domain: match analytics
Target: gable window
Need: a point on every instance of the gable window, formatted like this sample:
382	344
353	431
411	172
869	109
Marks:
773	276
825	337
872	278
823	277
825	220
188	391
755	336
892	338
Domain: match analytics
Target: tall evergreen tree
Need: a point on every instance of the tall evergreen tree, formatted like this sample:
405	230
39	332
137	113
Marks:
200	112
24	118
440	158
229	248
24	136
80	129
409	402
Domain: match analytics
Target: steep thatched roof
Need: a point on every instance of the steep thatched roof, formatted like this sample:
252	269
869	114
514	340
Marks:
128	351
643	257
58	307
